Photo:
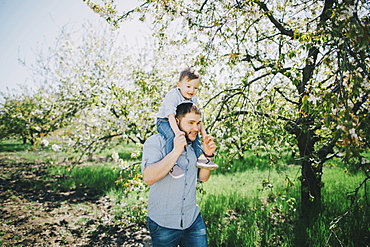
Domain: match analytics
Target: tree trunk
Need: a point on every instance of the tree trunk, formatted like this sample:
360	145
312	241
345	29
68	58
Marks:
310	185
310	192
24	140
311	178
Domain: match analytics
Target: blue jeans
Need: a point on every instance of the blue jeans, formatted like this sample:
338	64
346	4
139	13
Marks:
194	236
164	128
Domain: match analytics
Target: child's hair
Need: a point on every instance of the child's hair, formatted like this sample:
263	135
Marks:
190	73
185	108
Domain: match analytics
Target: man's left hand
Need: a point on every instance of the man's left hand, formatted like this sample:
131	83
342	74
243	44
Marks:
209	146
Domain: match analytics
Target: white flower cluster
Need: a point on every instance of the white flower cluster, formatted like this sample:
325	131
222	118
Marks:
312	98
45	142
135	154
352	131
123	164
115	157
54	147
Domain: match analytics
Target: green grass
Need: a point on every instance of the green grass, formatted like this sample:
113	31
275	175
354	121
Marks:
251	160
261	208
99	177
11	146
247	208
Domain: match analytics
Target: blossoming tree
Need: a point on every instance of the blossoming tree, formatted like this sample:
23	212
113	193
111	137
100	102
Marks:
299	71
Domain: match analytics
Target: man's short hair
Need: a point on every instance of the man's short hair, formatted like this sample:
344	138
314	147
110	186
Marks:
189	73
185	108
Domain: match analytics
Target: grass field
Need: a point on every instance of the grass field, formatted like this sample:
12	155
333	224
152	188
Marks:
246	204
261	208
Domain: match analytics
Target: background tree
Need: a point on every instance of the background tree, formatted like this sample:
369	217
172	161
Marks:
301	65
33	116
102	89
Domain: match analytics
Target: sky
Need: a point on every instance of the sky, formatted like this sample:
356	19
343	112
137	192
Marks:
26	25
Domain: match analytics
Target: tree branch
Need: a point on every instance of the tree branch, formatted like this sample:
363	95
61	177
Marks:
359	103
325	15
125	15
285	97
277	24
204	4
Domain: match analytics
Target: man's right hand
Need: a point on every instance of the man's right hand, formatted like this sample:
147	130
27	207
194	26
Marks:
179	142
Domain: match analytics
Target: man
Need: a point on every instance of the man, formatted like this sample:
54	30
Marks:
174	218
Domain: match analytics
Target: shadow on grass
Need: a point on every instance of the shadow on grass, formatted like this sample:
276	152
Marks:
51	206
34	182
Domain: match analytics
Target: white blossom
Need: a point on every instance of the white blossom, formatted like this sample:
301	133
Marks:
56	147
115	156
363	161
123	164
313	98
341	127
353	133
45	142
135	154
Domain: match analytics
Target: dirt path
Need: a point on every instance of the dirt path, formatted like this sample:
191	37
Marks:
31	214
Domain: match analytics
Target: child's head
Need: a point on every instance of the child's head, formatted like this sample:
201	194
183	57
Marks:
189	83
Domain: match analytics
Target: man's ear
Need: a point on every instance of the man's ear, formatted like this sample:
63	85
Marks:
177	121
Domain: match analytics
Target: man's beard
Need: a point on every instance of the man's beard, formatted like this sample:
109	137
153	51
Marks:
186	133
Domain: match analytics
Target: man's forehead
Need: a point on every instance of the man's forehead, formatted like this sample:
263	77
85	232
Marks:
192	117
194	120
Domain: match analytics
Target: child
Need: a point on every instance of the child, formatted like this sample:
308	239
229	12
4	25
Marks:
186	90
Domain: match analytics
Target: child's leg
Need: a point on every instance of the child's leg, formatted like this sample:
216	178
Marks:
164	128
197	146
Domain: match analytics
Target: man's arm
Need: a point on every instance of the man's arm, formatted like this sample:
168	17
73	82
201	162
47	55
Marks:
204	175
159	170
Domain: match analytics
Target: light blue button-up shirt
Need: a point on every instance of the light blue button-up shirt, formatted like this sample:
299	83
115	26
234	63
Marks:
172	202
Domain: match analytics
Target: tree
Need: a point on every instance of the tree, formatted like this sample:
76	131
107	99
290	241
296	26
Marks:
102	89
301	65
32	117
81	74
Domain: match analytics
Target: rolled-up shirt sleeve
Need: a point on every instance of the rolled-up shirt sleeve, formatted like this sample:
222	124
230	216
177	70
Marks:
153	151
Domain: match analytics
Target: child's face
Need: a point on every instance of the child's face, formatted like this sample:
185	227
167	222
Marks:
188	88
